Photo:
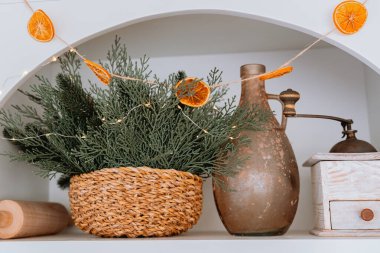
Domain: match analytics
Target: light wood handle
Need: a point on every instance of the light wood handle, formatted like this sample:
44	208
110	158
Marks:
6	219
24	218
367	214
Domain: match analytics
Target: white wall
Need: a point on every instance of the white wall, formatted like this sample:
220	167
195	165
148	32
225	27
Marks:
17	179
199	34
373	93
330	82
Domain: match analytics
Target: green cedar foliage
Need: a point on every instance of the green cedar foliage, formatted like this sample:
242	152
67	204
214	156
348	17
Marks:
129	123
67	110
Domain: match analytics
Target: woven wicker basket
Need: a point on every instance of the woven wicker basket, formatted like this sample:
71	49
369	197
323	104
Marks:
135	202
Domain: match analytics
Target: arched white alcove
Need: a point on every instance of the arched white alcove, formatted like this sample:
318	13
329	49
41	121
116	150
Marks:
79	21
322	77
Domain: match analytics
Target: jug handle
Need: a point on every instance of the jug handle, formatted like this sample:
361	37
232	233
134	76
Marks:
283	119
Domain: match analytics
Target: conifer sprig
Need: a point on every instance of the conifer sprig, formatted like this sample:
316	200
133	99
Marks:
129	123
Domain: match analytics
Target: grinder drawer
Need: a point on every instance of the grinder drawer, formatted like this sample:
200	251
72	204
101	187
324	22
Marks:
355	214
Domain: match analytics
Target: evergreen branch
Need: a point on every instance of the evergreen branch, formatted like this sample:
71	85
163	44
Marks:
129	123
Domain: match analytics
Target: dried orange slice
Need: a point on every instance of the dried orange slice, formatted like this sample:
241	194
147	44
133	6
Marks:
101	73
40	27
192	92
350	16
277	73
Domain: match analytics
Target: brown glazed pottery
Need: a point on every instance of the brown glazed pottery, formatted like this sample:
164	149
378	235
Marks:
262	198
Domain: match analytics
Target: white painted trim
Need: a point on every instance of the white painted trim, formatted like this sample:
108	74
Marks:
80	21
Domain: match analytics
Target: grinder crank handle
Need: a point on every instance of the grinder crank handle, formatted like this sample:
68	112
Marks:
290	97
283	118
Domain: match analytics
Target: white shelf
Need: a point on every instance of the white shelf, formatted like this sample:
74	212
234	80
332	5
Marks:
194	242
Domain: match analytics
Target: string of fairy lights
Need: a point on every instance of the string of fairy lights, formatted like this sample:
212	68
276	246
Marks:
118	121
147	104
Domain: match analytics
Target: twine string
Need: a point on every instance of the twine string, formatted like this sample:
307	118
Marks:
28	5
134	79
287	63
307	48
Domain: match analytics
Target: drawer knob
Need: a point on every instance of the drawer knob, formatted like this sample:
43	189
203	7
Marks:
367	214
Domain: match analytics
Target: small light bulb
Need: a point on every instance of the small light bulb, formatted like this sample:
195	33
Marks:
25	73
103	119
233	127
119	120
231	138
54	59
72	50
84	137
48	134
204	130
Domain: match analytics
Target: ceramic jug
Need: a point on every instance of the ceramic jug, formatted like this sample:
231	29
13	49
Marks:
262	198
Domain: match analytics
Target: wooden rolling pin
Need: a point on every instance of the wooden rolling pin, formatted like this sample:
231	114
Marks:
25	219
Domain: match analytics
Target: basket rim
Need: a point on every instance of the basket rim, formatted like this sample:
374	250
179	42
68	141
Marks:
137	169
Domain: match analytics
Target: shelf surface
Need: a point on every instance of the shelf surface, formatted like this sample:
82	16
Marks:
75	241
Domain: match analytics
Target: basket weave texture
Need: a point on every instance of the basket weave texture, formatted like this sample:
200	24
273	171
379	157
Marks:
135	202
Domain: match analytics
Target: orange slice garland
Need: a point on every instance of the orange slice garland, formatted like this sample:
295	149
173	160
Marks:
277	73
101	73
40	27
350	16
192	92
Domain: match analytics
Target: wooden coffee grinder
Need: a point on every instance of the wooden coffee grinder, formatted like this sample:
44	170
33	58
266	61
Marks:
345	182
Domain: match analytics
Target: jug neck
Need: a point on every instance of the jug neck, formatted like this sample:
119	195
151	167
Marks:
253	91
